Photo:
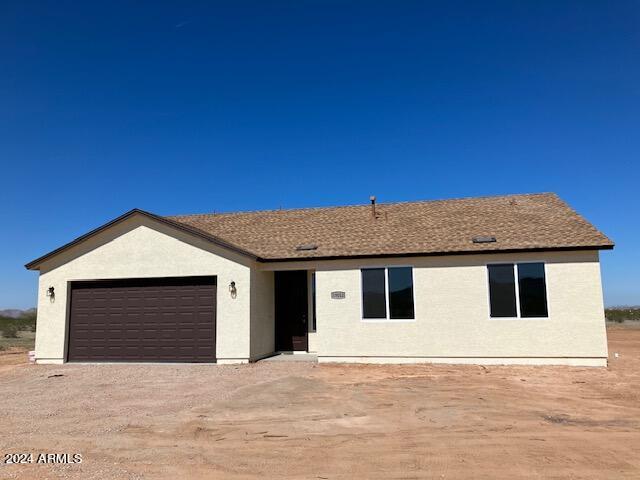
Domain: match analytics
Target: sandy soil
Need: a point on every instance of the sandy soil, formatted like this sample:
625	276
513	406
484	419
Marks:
302	420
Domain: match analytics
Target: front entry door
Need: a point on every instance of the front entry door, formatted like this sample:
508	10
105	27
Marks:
291	310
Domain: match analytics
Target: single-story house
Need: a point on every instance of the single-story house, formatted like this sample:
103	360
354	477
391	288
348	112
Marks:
493	280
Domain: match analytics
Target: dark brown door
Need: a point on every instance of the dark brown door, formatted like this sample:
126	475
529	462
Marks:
291	310
143	320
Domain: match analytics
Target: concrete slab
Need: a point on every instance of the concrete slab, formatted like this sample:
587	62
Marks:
291	357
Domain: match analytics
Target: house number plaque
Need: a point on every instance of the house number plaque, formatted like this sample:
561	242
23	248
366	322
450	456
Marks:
337	295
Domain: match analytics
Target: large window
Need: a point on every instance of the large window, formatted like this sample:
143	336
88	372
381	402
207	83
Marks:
502	291
526	298
387	293
374	303
533	291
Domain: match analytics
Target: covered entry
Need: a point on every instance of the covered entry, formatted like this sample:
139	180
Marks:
291	311
143	320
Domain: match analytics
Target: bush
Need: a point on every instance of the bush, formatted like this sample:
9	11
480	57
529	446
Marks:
10	330
28	321
10	327
621	314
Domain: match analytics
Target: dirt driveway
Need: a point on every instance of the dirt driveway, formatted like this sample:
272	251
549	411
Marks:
301	420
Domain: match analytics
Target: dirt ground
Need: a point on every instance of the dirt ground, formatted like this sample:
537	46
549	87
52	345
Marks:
309	421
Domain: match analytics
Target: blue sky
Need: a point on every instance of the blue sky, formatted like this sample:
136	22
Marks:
201	106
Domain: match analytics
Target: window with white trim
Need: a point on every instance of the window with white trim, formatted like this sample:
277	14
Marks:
526	298
387	293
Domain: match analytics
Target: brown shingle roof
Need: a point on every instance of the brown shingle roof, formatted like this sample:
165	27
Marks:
518	222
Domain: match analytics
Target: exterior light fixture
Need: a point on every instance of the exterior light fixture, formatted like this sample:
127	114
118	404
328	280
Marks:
51	293
232	289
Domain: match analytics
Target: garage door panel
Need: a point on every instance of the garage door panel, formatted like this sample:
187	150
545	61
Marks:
143	320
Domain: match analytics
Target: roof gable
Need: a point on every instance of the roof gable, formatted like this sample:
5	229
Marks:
34	264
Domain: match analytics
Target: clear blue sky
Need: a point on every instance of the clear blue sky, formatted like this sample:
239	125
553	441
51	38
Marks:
201	106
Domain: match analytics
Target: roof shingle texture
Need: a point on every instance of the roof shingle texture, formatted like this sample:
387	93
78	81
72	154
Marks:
518	222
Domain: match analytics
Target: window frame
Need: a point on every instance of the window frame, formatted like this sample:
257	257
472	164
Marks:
388	318
518	316
313	303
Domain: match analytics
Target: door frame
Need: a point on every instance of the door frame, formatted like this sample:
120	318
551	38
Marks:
304	311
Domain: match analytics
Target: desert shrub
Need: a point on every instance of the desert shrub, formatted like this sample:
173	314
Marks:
28	321
621	314
10	330
10	327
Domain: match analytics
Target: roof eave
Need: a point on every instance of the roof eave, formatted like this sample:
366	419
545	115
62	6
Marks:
437	254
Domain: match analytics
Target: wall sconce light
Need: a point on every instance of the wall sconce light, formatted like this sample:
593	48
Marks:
51	293
232	289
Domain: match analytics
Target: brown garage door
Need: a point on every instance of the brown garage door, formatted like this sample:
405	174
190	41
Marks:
143	320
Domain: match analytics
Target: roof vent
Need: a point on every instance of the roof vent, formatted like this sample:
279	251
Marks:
481	239
308	246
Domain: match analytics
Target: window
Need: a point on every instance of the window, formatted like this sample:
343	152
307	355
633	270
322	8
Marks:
533	291
387	293
526	298
374	304
400	292
502	291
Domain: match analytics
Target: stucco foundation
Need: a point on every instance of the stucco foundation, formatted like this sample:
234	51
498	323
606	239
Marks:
576	362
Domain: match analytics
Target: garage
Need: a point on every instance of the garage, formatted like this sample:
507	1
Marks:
143	320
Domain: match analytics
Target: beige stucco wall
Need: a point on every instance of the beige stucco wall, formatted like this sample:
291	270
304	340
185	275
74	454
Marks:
262	314
138	248
452	312
452	321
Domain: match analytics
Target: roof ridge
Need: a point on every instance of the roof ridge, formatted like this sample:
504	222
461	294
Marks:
405	202
423	227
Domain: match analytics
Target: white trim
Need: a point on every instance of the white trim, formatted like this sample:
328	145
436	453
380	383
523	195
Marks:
388	318
50	361
569	361
231	361
311	299
515	264
516	281
386	294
